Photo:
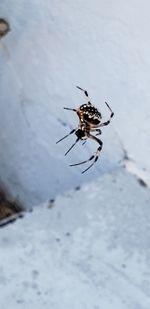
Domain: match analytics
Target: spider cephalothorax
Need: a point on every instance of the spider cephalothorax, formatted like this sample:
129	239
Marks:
89	121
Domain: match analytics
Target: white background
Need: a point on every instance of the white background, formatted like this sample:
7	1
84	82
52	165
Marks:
91	249
53	46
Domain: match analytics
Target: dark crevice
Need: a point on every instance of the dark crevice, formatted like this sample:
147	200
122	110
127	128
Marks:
4	27
9	210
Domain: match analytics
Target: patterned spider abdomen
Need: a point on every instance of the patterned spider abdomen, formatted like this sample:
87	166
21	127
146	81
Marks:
88	113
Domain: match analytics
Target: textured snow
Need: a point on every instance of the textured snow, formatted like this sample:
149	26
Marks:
90	250
102	46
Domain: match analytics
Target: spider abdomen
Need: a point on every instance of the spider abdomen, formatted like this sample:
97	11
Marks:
88	113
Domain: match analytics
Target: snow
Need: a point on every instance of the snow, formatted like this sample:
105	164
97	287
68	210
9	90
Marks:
90	250
53	46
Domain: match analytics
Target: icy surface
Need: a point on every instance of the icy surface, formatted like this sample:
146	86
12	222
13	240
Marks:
90	250
102	46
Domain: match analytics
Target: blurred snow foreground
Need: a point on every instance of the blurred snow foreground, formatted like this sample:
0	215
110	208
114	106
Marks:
90	250
88	247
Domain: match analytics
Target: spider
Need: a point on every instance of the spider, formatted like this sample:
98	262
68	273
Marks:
89	121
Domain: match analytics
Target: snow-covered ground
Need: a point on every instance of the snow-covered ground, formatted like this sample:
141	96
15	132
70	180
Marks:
102	46
90	250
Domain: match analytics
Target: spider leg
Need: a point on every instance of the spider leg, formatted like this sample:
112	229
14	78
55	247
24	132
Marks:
88	167
70	109
92	157
85	92
72	145
95	157
66	136
97	152
97	130
111	115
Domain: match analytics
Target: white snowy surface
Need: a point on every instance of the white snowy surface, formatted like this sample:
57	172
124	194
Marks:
102	46
90	250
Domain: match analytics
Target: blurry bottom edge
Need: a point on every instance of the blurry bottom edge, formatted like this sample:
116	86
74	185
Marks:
9	210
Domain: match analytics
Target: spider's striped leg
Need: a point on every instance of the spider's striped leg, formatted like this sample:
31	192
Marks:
93	157
96	130
86	93
72	145
99	132
97	152
70	109
111	115
84	142
66	136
